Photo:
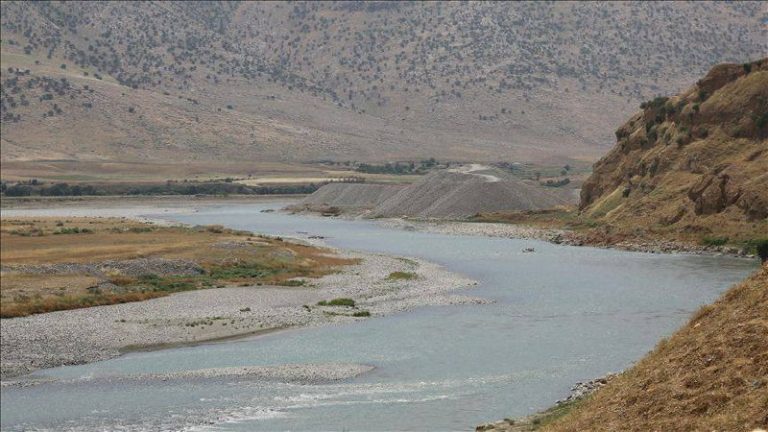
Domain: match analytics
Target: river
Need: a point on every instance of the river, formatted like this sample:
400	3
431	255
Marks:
560	315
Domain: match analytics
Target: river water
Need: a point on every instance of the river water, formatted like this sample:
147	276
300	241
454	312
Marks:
560	315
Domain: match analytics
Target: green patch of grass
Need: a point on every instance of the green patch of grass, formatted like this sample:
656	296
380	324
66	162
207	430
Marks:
714	241
337	302
400	275
242	271
292	283
171	283
362	313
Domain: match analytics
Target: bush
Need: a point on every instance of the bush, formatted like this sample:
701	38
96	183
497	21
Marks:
398	275
73	230
363	313
761	249
292	283
714	241
338	302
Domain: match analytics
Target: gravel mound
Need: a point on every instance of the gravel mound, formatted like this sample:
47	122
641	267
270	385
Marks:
463	192
348	196
288	373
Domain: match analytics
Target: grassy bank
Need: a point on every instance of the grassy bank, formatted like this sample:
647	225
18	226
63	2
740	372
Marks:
54	264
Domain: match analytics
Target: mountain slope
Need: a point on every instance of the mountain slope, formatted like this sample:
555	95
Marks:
694	163
710	375
169	81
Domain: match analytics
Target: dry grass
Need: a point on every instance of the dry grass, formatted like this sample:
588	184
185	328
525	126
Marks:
228	257
712	375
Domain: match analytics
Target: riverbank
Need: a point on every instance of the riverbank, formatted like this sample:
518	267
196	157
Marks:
153	202
102	332
563	236
709	375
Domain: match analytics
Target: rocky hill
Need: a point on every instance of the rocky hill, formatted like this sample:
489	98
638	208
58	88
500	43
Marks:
200	81
693	163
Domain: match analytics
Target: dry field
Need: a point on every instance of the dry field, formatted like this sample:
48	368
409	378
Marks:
64	263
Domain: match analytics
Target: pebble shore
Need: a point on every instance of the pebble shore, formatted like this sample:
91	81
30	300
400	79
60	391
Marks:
98	333
558	236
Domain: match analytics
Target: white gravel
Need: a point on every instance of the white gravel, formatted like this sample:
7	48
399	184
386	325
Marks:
484	229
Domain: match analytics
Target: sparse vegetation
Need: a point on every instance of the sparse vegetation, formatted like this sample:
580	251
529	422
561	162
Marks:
761	249
714	241
401	275
245	260
347	302
74	67
22	189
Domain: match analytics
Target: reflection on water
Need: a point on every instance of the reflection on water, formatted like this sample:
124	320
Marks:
561	315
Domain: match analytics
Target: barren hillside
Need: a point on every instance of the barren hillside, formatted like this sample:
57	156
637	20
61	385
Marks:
240	81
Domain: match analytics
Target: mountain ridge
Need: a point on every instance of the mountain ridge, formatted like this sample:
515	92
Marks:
367	81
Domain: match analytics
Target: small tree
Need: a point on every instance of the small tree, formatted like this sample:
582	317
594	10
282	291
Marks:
762	249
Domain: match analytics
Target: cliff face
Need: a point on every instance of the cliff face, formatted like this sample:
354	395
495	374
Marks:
696	162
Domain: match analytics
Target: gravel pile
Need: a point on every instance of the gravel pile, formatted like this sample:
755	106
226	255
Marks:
462	193
347	196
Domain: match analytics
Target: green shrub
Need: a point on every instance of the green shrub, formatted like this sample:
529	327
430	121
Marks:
761	248
337	302
714	241
363	313
399	275
240	271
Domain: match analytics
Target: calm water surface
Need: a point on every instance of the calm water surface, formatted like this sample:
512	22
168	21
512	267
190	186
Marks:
561	315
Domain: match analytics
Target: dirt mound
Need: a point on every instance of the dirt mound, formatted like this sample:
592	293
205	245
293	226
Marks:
348	196
464	192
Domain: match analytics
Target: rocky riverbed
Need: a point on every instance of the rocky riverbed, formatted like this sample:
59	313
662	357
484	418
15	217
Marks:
98	333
